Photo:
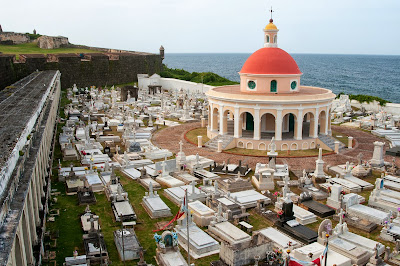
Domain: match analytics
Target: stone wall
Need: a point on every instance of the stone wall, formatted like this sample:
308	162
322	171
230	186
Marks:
15	38
51	42
84	70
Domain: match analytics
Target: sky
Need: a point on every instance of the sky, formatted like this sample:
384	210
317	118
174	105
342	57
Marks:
213	26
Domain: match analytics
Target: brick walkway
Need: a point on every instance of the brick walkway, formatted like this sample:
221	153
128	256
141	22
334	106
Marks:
169	138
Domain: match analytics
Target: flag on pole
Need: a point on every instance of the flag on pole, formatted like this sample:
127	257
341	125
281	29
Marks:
181	212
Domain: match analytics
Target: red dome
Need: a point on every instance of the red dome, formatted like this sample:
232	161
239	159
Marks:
270	61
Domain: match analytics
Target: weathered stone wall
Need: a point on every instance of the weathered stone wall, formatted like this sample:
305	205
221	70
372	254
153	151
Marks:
51	42
91	69
15	38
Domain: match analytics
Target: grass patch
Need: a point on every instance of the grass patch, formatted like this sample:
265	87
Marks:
201	131
342	137
310	152
258	221
32	48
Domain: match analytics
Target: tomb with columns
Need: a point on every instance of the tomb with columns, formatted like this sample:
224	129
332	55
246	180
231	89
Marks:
270	102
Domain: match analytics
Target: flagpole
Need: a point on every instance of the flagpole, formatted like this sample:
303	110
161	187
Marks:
187	225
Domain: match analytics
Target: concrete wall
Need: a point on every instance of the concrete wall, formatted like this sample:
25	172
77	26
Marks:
170	83
392	108
96	69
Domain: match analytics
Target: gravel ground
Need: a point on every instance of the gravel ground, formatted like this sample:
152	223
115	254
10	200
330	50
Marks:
169	138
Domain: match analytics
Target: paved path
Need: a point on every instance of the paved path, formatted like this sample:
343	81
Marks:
169	138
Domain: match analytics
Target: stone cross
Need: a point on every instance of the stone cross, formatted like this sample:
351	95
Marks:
92	219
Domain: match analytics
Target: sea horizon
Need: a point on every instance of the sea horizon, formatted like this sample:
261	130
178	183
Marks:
288	53
376	75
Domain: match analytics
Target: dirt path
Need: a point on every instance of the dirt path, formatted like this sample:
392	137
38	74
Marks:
169	138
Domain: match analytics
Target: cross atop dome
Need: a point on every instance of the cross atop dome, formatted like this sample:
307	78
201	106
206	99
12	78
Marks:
271	33
271	20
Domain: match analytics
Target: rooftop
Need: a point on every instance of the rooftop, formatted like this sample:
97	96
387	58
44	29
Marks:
305	93
17	106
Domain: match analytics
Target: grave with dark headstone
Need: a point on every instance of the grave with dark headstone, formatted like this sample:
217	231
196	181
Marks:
135	147
306	202
86	196
287	223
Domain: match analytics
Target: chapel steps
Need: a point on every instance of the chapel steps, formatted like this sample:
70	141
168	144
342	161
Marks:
330	142
213	143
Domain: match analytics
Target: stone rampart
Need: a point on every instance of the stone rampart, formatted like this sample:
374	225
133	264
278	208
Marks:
14	37
51	42
85	70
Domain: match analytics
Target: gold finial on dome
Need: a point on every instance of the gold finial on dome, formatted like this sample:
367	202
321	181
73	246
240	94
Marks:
270	33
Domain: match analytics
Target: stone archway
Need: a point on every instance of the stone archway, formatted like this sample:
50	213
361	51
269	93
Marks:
308	124
228	122
247	126
267	126
322	129
214	119
289	126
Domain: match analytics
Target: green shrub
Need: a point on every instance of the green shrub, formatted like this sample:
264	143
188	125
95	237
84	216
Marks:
208	78
361	98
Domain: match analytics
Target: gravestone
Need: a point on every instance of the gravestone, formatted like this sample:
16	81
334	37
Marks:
377	157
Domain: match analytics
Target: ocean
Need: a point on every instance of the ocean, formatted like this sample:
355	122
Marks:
377	75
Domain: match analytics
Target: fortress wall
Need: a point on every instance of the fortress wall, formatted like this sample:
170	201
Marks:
93	69
7	74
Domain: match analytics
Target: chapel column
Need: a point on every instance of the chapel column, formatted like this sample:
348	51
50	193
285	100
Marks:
237	131
327	119
299	125
213	126
221	120
316	118
278	124
257	131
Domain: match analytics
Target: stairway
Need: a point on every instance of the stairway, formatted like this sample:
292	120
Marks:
213	143
330	141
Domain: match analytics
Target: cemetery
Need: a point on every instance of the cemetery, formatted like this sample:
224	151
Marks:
124	182
116	161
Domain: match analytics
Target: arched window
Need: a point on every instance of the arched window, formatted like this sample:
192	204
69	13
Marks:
273	86
267	38
275	37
